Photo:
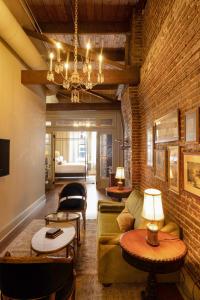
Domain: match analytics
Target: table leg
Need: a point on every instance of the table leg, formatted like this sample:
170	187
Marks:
150	292
78	231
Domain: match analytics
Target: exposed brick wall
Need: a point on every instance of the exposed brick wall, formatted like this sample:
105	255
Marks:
170	79
131	116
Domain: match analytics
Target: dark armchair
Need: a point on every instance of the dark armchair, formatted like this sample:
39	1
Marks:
37	277
73	198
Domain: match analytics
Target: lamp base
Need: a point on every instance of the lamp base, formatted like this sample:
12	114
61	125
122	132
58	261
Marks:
120	185
152	235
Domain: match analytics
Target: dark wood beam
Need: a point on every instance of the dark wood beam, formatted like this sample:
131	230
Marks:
101	87
70	48
82	106
86	27
101	96
129	76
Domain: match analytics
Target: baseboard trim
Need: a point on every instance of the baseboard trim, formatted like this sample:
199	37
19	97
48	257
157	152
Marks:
20	218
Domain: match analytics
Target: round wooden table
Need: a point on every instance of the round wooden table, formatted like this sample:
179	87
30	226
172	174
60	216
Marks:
118	194
166	258
62	217
43	245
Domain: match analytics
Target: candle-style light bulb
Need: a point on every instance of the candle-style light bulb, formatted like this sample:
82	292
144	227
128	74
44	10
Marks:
66	70
100	62
51	57
58	46
88	47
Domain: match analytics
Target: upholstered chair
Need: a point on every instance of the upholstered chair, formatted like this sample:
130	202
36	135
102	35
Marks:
37	277
73	198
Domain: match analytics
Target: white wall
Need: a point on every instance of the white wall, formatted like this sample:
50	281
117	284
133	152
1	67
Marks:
22	120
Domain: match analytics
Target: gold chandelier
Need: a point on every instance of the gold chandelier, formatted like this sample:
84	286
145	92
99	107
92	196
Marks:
76	79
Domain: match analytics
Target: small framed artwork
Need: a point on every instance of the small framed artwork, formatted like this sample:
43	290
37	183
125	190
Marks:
192	126
150	146
173	168
167	128
160	164
192	173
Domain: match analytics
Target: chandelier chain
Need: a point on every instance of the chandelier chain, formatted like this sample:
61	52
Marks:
75	35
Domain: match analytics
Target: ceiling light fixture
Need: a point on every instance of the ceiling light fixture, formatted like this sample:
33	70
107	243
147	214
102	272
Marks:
75	80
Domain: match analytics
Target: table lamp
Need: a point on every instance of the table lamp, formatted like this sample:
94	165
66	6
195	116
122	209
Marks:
120	175
152	211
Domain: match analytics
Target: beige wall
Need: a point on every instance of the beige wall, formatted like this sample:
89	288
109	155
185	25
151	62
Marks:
22	120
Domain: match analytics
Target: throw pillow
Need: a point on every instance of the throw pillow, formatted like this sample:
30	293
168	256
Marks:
125	220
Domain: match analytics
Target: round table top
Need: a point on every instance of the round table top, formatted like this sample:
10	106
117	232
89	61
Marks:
170	248
62	216
116	190
41	244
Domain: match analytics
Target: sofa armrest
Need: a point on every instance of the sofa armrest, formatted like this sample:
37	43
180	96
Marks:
110	239
171	228
115	207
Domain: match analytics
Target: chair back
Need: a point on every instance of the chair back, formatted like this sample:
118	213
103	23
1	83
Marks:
35	277
73	189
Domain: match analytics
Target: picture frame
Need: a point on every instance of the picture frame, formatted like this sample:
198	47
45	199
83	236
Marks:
174	168
160	164
192	173
192	125
149	143
167	128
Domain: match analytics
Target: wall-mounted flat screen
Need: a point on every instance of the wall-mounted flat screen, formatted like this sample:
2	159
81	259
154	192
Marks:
4	157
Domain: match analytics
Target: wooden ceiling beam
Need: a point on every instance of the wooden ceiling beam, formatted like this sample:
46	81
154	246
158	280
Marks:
82	106
68	47
101	96
114	54
130	76
86	27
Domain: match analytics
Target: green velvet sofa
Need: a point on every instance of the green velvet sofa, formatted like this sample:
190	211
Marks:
112	268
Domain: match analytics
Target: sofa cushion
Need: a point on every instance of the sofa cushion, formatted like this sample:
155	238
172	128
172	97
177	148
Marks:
107	224
134	205
125	220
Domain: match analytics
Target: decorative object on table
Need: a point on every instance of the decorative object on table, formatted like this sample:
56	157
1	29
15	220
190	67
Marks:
173	168
167	128
52	233
160	164
192	173
76	80
192	125
152	211
150	147
120	175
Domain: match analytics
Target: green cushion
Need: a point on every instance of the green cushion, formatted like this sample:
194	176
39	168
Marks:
107	224
134	205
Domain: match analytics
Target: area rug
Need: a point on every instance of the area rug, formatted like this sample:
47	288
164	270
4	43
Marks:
87	285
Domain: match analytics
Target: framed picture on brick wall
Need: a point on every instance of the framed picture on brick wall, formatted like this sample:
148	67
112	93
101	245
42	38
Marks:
192	126
150	146
192	173
161	164
173	168
167	128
